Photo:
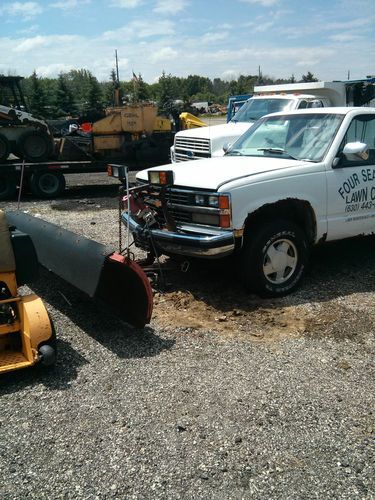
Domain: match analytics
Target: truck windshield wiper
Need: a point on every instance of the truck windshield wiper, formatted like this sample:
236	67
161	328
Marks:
234	152
278	151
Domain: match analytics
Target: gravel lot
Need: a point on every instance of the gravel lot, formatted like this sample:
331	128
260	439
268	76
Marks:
222	396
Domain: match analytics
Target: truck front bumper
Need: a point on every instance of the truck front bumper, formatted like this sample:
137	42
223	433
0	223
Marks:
188	240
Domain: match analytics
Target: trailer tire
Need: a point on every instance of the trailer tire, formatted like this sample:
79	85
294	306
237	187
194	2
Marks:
34	146
4	148
274	258
47	184
8	186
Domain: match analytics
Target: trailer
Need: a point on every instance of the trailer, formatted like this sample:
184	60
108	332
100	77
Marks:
44	180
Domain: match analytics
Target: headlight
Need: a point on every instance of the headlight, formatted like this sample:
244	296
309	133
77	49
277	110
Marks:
213	201
200	199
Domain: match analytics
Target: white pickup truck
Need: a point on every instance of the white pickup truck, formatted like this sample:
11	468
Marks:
291	181
211	141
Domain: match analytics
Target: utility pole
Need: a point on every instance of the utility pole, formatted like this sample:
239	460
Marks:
117	73
117	87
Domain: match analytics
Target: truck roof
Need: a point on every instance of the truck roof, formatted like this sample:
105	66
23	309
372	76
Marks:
284	95
329	110
298	87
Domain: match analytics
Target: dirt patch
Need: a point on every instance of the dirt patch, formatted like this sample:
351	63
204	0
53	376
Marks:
182	310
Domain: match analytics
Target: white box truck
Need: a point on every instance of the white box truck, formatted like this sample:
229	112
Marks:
212	141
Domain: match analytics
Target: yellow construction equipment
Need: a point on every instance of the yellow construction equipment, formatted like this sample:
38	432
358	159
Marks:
123	124
26	332
188	120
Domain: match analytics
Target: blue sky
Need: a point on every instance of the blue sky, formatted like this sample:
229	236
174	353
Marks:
214	38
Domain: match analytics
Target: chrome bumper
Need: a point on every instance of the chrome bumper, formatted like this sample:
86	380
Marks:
186	241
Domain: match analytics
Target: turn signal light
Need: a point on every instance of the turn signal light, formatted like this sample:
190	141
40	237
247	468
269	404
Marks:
224	202
224	220
161	177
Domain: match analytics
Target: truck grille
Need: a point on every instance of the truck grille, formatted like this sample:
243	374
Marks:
173	197
181	207
191	148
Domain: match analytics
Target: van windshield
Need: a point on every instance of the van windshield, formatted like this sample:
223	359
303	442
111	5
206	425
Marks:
253	109
305	137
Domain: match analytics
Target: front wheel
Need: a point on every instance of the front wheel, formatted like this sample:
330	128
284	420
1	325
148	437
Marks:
274	258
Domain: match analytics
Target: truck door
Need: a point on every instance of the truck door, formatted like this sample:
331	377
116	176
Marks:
351	184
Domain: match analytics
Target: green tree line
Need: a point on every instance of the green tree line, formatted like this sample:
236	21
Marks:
78	92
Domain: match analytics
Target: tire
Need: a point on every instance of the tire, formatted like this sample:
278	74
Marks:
4	148
274	258
47	184
48	350
8	186
34	146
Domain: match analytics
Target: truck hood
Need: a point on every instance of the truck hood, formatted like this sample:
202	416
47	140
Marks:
215	172
231	129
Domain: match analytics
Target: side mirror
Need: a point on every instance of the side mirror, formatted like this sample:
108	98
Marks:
357	149
353	151
226	147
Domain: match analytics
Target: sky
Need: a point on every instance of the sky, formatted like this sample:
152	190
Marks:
213	38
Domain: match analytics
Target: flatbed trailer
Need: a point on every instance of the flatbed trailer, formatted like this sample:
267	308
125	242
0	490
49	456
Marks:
44	180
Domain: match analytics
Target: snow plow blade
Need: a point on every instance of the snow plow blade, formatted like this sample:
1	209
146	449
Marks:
91	267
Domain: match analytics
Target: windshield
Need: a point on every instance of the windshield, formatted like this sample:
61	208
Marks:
301	137
253	109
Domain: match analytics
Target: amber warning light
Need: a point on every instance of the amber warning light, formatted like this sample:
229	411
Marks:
117	171
161	177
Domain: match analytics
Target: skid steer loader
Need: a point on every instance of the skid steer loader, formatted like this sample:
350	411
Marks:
21	133
26	333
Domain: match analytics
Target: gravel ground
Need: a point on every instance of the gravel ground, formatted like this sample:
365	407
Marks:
222	396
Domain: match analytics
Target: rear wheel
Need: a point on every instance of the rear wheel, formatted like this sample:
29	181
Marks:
8	186
34	146
274	258
4	148
47	184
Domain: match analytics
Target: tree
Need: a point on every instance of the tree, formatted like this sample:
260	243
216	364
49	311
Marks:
110	88
94	95
309	77
64	101
37	97
166	94
140	89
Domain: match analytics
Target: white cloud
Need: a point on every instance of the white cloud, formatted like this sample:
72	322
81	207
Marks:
53	69
140	29
24	10
214	37
230	75
164	54
170	6
344	37
36	42
69	4
126	4
28	31
261	28
264	3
